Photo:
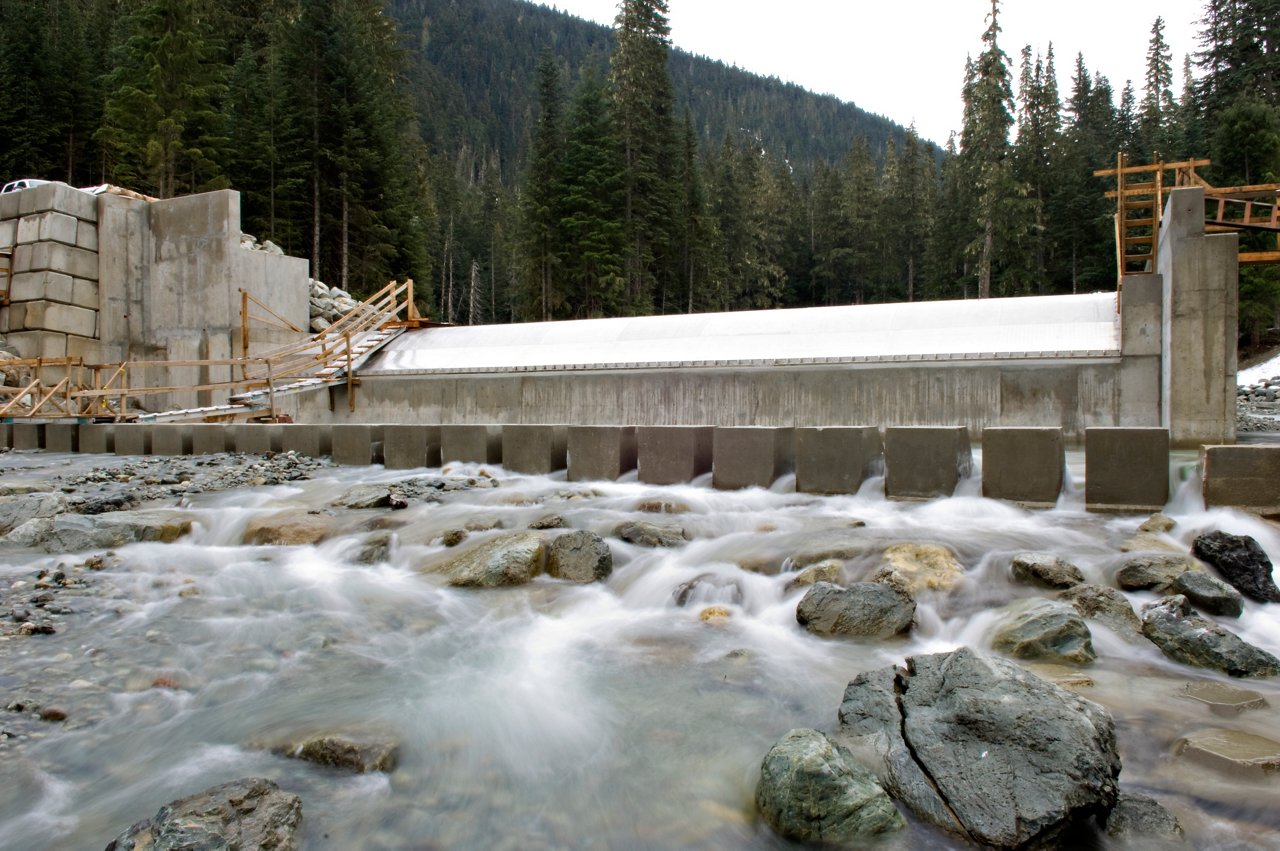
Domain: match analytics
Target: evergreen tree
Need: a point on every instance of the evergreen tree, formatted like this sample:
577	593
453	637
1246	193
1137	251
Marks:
1157	110
1036	160
542	190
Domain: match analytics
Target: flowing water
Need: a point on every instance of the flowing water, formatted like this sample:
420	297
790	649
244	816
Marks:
552	715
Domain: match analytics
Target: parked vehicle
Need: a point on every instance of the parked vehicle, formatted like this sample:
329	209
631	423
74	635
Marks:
24	183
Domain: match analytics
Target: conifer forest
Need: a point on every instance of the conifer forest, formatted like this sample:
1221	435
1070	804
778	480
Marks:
522	164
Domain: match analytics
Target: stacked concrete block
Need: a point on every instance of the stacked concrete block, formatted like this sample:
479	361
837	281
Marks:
535	449
478	444
62	437
672	455
751	456
258	438
171	439
924	462
407	447
837	459
133	439
314	441
1126	469
98	438
601	452
357	445
28	435
1023	465
1246	477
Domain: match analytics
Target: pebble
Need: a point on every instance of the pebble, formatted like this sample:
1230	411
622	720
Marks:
53	713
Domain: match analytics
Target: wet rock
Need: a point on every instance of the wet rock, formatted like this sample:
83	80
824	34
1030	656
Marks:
1156	572
510	559
707	587
840	544
365	496
453	537
1223	699
250	813
18	509
484	524
662	506
376	548
1045	570
714	615
1047	630
644	534
68	533
1137	822
1158	524
1107	606
106	504
1239	560
579	557
1184	636
287	529
919	567
824	571
1151	542
1234	751
812	790
980	747
550	521
53	713
862	610
1209	594
348	754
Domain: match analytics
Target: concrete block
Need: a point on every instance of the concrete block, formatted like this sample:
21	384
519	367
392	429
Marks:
536	449
8	234
32	286
133	438
62	437
601	452
478	444
62	318
671	455
1023	465
12	316
87	236
59	197
171	439
1246	477
258	438
209	438
751	456
314	441
357	445
59	258
1126	469
837	459
49	226
84	293
407	447
28	229
924	462
35	344
6	436
98	438
87	349
28	435
9	203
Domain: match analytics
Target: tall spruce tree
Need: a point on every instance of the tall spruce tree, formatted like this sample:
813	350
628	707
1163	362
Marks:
1157	110
541	200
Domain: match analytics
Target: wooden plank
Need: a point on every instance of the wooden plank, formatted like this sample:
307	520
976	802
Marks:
1138	169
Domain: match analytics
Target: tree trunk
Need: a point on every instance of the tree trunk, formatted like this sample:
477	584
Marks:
984	263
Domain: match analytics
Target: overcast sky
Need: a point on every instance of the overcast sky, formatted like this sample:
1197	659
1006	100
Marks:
905	60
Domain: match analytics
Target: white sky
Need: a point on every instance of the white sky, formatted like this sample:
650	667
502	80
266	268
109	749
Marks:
907	62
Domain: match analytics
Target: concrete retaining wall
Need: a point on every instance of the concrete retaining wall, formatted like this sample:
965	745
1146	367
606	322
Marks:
1246	477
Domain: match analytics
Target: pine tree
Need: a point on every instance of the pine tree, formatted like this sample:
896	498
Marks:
542	191
1036	159
1157	110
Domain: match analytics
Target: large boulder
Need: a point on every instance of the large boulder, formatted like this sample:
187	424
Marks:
1240	561
19	508
1184	636
288	528
1147	572
811	790
251	813
1046	570
509	559
1140	823
1209	594
1045	630
919	567
580	557
74	533
980	747
1107	606
861	610
644	534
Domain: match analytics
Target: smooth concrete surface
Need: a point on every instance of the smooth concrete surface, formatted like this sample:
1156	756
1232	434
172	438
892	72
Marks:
1126	469
6	436
133	439
534	449
745	457
1246	477
672	455
314	441
601	453
924	462
62	437
28	435
837	459
477	444
98	438
1023	465
357	445
258	438
407	447
171	439
209	439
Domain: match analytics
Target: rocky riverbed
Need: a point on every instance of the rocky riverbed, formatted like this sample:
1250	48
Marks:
467	658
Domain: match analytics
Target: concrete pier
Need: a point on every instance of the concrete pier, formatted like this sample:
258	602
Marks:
407	447
314	441
1023	465
601	452
672	455
924	462
476	444
171	439
133	439
838	459
534	449
62	437
1126	469
258	438
1245	477
209	439
744	457
28	435
357	445
98	438
6	436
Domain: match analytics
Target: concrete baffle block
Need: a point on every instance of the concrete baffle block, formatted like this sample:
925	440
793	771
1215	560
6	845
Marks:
171	439
673	455
1246	477
313	441
6	436
751	456
62	437
209	438
28	435
1023	465
478	444
257	438
357	445
925	462
98	438
601	453
1126	469
536	449
406	447
133	439
837	459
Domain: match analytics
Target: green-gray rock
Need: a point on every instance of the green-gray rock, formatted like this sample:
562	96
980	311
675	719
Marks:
1046	630
1209	594
1139	823
644	534
251	813
1157	572
1184	636
861	610
509	559
1108	607
580	557
1045	570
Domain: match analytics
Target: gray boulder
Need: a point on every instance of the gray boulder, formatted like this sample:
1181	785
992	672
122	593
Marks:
18	509
514	558
644	534
360	755
1140	823
1107	606
251	813
1184	636
73	533
1239	560
861	610
579	557
1045	570
811	790
980	747
1157	572
1046	630
1209	594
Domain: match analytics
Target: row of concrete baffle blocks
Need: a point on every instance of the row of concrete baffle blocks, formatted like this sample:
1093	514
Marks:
1125	468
